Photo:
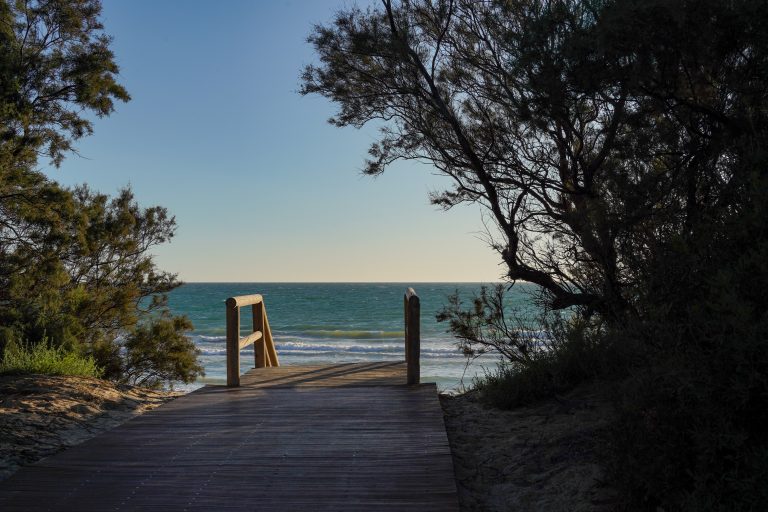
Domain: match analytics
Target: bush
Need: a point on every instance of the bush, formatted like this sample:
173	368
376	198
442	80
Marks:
89	279
691	432
541	354
491	325
158	352
45	359
575	353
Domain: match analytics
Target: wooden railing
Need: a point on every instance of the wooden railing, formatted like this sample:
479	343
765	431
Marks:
412	310
261	337
264	347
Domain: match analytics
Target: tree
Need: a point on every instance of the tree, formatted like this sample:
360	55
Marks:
76	266
84	275
584	138
55	64
80	272
619	148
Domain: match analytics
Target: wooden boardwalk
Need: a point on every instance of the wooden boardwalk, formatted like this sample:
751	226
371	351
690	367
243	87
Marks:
347	437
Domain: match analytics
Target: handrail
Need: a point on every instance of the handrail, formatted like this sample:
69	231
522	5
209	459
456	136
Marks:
264	352
412	313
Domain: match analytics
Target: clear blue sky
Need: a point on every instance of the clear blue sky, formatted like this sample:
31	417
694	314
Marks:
263	189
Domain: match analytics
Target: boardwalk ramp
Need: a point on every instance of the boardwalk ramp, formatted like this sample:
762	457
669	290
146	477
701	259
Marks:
346	437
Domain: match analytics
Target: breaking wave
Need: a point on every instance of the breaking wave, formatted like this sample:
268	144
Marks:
298	348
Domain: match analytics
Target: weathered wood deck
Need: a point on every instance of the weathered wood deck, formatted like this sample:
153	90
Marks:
347	437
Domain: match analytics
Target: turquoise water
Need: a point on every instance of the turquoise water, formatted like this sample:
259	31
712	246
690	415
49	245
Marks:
322	323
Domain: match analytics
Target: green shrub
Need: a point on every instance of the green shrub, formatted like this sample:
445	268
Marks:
45	359
576	353
157	352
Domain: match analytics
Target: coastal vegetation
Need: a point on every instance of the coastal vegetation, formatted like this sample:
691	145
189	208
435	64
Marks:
76	270
618	147
45	359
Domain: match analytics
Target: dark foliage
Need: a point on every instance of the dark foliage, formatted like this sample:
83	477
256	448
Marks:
620	149
489	326
574	356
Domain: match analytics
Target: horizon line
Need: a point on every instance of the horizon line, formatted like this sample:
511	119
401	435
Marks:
349	282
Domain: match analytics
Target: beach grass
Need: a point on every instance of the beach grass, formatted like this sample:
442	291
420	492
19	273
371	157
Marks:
42	358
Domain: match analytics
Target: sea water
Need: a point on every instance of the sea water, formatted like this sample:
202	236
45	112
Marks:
327	323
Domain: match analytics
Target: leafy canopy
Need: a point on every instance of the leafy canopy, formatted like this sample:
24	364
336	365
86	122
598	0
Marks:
76	266
619	148
593	132
55	65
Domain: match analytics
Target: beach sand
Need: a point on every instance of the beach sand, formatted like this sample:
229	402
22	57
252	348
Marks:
541	457
42	415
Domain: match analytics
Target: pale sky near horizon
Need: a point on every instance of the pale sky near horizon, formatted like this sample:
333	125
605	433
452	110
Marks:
262	187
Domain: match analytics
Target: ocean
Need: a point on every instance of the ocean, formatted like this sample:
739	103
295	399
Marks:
325	323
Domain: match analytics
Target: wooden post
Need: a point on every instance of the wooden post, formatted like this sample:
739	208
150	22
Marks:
269	343
233	343
258	325
406	313
412	336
